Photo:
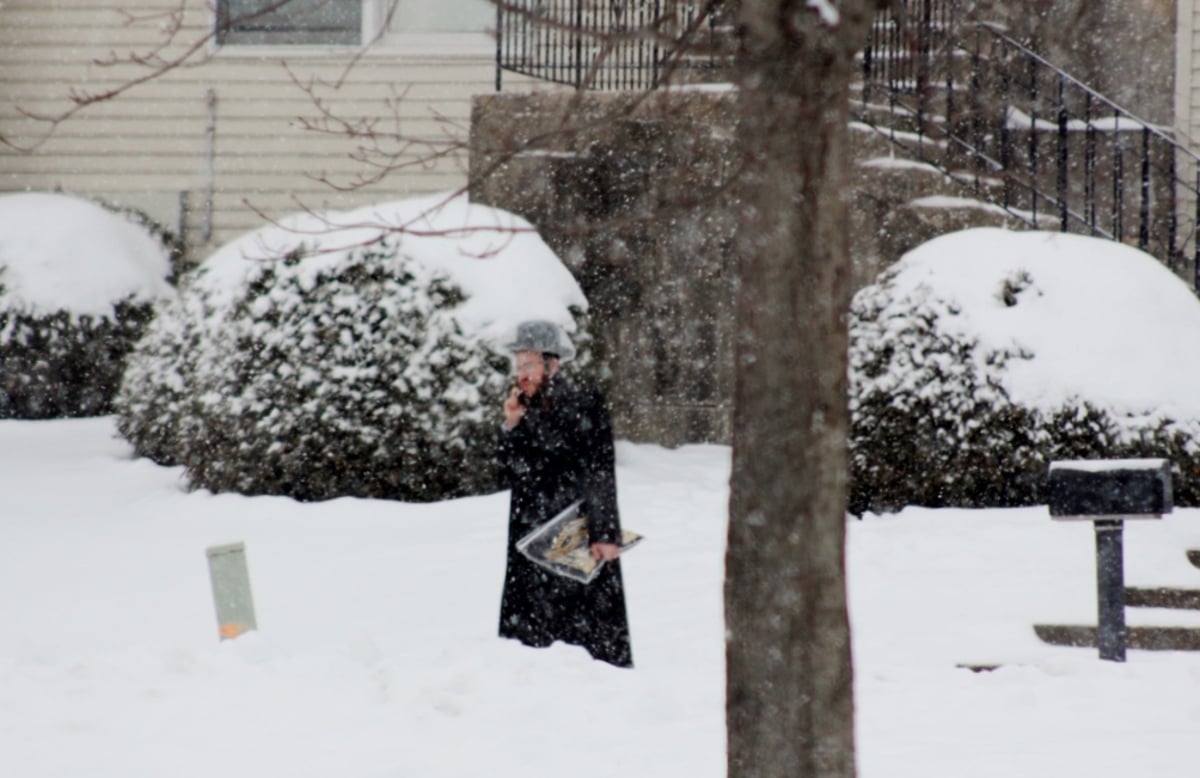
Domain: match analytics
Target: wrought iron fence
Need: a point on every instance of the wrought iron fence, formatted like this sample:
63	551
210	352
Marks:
1039	143
958	93
607	44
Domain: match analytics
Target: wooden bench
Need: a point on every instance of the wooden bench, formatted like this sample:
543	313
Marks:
1144	638
1162	597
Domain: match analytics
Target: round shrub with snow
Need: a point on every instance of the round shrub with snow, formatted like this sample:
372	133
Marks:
983	355
78	283
314	360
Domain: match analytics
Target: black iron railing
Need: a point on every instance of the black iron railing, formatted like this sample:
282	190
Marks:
967	98
608	44
956	92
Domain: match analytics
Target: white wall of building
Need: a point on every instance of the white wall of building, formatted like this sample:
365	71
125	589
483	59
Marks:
232	126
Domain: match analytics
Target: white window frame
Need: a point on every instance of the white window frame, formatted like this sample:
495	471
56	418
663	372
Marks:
375	39
364	6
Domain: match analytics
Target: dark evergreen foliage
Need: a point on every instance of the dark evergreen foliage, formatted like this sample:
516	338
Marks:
931	422
344	378
64	365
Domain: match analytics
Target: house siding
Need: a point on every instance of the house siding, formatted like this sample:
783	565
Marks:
1185	55
1187	111
1188	72
149	147
1187	41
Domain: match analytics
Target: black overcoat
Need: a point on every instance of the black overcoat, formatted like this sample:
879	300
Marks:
562	451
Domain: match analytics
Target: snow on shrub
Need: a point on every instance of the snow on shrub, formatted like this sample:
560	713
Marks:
78	283
315	362
154	405
984	355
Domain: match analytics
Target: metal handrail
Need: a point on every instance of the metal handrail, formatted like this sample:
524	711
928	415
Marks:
613	45
917	49
998	31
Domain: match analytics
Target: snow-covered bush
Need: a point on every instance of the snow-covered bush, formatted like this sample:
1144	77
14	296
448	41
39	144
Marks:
78	284
154	406
984	355
301	362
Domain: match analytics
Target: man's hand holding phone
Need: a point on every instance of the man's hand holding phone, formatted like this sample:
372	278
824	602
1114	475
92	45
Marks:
514	408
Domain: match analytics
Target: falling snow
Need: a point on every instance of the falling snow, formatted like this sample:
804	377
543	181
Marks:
377	653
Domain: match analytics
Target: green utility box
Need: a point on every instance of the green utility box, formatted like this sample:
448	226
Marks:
231	590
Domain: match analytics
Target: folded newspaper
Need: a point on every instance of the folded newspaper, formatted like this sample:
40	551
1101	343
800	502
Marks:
561	545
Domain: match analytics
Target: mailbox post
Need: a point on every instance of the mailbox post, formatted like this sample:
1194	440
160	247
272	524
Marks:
1106	492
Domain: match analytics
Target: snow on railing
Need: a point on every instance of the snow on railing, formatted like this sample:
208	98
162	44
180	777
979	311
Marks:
976	98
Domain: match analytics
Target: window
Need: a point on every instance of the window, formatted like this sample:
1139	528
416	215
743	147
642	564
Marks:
439	16
296	22
350	22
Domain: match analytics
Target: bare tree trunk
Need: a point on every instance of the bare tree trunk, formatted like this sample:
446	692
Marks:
789	680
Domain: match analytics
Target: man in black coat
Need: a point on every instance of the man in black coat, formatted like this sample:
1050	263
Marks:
556	447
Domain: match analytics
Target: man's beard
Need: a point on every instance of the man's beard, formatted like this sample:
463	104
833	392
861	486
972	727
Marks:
529	387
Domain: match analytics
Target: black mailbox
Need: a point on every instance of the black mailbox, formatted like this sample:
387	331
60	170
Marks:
1106	492
1117	489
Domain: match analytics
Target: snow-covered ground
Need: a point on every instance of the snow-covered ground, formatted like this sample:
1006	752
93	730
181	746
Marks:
61	253
377	656
376	653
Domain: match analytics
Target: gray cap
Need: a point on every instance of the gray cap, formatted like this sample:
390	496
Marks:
544	336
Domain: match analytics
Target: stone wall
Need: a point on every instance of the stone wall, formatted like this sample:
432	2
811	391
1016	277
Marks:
629	192
634	195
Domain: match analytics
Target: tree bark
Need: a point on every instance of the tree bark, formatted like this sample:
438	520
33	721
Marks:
789	689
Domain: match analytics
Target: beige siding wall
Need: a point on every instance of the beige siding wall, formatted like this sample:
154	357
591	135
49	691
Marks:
1187	107
151	143
1187	41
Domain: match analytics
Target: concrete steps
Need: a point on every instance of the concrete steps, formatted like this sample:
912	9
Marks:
899	201
1144	638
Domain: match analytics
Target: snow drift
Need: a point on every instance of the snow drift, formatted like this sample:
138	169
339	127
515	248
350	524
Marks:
77	285
335	356
985	354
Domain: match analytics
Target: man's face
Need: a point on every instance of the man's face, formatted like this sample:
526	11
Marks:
531	371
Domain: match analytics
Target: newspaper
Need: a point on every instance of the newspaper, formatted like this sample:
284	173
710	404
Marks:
561	545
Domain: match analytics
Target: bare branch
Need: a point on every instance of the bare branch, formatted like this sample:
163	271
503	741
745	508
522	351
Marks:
382	145
382	227
193	54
